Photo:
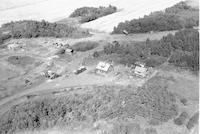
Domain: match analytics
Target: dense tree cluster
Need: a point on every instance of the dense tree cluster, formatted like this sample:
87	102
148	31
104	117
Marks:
181	6
94	104
91	13
29	29
32	29
181	49
177	17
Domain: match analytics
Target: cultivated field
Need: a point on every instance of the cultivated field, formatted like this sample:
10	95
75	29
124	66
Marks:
52	10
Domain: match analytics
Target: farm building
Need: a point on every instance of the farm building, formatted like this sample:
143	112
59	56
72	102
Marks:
125	32
13	46
58	44
104	67
69	51
140	69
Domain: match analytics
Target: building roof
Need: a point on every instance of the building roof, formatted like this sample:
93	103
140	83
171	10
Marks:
140	71
103	66
69	50
125	32
13	45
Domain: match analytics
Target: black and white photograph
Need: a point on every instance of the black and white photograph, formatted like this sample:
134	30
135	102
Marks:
99	66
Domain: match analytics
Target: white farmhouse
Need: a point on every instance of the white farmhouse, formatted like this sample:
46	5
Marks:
140	70
104	67
12	46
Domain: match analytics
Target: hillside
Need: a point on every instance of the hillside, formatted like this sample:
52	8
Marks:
130	10
58	77
51	10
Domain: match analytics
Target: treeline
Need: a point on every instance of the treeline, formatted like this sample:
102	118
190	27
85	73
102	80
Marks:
91	13
176	17
4	37
181	49
33	29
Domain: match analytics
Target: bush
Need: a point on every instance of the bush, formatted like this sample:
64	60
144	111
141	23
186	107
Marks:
95	54
181	119
155	61
184	101
91	13
85	46
193	120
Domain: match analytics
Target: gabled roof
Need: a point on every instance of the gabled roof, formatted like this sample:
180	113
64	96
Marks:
13	45
103	66
140	69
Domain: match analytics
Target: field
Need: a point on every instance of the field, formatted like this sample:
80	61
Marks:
51	10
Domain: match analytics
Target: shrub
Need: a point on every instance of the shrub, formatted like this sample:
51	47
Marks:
193	120
155	61
181	119
184	101
95	54
85	46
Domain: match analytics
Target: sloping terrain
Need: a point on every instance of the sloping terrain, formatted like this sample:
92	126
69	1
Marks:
106	99
52	10
49	10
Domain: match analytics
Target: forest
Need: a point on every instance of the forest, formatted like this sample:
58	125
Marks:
91	13
174	18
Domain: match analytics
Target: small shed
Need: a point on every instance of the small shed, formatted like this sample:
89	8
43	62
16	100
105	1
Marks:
140	70
58	44
13	46
104	67
125	32
69	51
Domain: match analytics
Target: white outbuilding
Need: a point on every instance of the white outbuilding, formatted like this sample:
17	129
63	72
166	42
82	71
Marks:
104	67
141	70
